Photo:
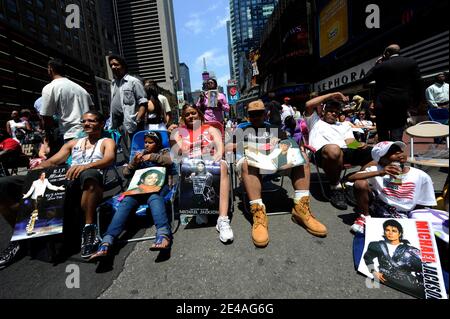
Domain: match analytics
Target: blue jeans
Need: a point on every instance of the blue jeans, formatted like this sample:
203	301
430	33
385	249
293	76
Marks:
130	203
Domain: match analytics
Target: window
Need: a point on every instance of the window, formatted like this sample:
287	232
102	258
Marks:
11	5
55	28
30	16
42	22
40	4
44	37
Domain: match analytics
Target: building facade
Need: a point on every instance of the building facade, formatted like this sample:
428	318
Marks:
147	40
34	31
248	18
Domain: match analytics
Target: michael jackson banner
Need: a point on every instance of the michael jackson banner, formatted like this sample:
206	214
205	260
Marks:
402	254
146	181
199	187
42	207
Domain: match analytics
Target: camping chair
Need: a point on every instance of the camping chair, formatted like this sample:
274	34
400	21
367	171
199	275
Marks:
269	182
111	204
311	152
110	182
438	115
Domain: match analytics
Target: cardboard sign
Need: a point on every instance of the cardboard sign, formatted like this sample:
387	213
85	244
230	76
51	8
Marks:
199	187
402	254
42	207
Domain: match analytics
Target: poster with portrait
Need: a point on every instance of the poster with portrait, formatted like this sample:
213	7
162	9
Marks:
213	98
41	211
146	181
273	156
199	187
402	254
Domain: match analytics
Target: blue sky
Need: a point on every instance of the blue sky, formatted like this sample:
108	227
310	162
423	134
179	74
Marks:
201	32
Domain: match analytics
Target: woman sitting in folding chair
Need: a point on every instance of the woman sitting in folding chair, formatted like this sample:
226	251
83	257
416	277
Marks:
198	140
152	156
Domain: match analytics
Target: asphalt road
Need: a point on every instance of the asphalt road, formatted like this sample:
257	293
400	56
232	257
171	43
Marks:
295	265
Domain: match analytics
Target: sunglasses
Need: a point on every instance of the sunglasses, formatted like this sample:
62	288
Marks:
88	121
256	113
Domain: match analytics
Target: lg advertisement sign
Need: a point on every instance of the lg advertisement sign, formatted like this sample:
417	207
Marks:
233	94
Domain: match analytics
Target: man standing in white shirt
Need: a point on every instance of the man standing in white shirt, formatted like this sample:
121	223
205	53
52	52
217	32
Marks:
437	94
287	109
65	98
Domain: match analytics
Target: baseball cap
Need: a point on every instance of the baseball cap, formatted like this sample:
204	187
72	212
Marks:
287	99
382	148
256	106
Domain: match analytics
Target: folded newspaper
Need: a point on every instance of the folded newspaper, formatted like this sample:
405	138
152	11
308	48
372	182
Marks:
276	156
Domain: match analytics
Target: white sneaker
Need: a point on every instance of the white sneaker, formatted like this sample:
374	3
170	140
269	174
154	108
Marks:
201	219
360	224
224	228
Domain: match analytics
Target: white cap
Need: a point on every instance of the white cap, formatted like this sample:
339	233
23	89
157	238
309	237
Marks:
382	149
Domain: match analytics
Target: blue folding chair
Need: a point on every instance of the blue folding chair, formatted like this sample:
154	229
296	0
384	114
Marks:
438	115
112	204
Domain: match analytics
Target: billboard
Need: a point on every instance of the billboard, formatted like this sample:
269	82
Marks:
333	26
233	94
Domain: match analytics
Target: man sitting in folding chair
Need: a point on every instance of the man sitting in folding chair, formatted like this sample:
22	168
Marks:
90	155
153	156
252	179
335	145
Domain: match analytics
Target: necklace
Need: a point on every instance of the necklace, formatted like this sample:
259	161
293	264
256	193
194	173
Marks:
84	151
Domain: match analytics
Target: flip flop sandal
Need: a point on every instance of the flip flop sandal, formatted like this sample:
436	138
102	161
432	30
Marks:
103	251
159	240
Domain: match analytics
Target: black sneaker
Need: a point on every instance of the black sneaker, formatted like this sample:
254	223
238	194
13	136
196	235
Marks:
7	256
337	199
89	241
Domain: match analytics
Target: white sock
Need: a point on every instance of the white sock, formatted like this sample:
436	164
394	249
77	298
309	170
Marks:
336	187
300	194
257	201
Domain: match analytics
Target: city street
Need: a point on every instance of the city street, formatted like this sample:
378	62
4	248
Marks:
295	265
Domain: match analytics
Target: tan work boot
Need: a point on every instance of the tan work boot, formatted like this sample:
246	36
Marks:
301	214
260	230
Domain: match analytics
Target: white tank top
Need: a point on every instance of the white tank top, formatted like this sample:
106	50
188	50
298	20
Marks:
80	156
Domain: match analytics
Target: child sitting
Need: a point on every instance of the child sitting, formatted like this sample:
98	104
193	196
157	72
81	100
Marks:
152	156
392	189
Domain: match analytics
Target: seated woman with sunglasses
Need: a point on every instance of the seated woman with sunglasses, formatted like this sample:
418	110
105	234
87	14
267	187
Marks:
210	144
152	156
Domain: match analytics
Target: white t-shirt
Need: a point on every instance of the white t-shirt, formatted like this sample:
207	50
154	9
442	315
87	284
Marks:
364	123
164	102
287	110
70	101
321	133
416	188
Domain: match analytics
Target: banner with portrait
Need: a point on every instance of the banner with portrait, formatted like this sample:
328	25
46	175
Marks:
199	187
402	254
213	98
41	211
146	181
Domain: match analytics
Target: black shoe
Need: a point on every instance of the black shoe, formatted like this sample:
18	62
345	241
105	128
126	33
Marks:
7	256
337	199
89	241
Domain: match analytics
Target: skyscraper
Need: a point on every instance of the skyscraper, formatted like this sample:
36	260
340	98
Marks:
230	50
147	39
248	19
185	81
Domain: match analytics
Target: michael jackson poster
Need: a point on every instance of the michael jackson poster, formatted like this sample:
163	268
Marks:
199	187
42	206
402	254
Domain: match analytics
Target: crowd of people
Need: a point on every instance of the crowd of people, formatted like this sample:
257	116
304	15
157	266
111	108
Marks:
332	126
